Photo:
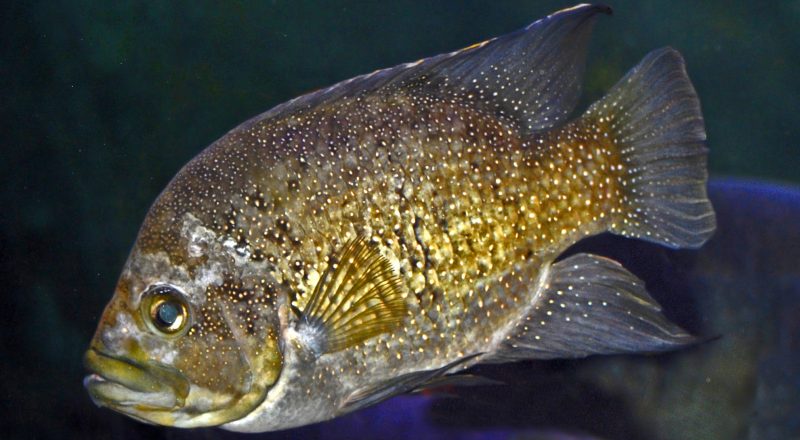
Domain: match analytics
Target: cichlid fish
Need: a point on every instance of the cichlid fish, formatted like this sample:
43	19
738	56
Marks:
372	238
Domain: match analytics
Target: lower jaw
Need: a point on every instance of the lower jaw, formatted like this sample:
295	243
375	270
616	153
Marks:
143	391
115	395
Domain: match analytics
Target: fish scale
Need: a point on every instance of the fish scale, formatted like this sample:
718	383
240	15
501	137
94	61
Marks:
488	220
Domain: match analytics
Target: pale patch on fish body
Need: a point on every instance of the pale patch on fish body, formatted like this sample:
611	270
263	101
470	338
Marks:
368	239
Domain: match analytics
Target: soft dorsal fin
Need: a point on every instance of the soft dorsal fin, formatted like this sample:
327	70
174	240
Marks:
532	75
355	299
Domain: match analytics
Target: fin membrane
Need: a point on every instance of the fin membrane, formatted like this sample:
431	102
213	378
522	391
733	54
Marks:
590	305
455	380
399	385
655	121
356	298
533	75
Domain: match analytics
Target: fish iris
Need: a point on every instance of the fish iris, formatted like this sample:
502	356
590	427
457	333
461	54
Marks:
165	309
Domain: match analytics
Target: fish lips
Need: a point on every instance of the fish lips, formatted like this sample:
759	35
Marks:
128	386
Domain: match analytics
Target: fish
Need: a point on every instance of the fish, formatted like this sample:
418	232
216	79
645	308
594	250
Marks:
383	235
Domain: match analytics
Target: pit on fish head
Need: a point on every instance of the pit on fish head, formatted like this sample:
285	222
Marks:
190	337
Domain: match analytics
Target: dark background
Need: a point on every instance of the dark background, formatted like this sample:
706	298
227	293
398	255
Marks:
102	102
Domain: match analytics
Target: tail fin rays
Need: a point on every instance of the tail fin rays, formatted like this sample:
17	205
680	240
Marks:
654	117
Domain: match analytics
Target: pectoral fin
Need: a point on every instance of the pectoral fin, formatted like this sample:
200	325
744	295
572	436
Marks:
356	298
590	305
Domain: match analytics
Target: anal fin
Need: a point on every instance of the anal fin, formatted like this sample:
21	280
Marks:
590	305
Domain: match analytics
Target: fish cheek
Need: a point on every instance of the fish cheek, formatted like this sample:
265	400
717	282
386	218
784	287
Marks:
231	348
210	357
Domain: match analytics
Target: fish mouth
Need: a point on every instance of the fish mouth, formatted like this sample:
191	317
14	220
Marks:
128	386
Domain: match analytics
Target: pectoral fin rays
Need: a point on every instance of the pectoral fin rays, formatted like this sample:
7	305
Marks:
355	299
587	305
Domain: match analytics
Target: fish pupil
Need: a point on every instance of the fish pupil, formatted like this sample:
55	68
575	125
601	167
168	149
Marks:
167	313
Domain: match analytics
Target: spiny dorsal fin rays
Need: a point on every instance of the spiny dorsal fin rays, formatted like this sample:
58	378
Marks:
533	75
355	299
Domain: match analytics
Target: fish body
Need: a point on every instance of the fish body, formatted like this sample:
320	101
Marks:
372	238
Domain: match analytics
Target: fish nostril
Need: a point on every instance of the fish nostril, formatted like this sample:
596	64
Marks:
108	341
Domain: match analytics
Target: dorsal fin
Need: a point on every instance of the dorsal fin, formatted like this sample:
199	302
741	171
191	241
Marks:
355	299
532	75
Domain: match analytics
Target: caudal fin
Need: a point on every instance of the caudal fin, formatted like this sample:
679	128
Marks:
653	116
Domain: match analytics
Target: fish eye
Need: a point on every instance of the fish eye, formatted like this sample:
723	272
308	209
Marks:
165	310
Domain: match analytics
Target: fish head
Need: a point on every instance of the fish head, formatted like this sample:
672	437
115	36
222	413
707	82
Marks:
190	337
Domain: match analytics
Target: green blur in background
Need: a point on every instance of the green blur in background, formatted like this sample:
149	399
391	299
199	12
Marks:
103	102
